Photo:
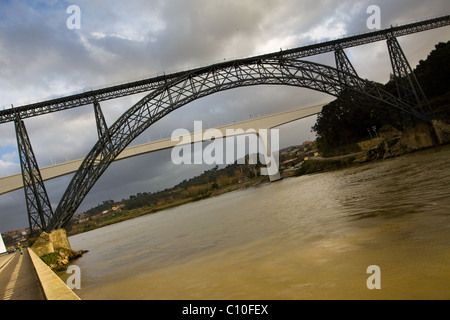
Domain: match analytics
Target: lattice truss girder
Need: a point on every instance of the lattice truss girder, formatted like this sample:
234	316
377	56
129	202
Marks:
37	201
175	93
345	68
408	87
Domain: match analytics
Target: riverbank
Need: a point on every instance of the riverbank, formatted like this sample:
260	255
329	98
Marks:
390	144
124	215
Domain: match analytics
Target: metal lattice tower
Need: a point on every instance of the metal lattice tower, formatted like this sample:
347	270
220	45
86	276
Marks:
409	89
346	69
102	127
38	203
348	75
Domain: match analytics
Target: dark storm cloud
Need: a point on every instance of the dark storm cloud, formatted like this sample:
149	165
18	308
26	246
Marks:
121	41
203	30
36	55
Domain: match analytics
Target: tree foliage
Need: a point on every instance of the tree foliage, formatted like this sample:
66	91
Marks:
434	72
342	123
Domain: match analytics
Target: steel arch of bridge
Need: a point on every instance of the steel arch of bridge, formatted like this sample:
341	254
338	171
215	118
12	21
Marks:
177	92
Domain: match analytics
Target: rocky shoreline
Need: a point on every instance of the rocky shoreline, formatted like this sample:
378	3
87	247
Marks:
60	259
54	249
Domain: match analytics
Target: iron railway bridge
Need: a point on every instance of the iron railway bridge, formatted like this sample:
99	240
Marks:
169	92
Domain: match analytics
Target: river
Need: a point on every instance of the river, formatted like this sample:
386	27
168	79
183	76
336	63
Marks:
310	237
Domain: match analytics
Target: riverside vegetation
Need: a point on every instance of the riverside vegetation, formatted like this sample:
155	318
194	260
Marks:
211	183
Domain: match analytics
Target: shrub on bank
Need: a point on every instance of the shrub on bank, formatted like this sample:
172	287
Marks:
59	259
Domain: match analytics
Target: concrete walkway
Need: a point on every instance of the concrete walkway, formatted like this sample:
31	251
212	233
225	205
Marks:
4	259
18	279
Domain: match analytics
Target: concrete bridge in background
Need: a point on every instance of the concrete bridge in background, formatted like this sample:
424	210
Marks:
15	182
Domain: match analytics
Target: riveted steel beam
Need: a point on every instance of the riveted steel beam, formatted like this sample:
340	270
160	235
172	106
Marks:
38	204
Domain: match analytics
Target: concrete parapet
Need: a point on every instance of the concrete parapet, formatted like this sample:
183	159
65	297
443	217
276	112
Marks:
54	288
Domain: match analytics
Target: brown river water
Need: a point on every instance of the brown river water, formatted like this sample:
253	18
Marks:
310	237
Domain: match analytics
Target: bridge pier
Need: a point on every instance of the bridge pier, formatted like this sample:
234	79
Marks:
408	87
275	177
102	127
345	68
38	204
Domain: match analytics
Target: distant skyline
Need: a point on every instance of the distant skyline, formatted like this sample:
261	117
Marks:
121	41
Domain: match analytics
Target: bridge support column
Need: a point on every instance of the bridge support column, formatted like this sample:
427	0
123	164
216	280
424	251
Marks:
102	128
38	204
409	89
272	168
347	73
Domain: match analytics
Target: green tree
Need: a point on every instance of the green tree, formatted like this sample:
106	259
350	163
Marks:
342	123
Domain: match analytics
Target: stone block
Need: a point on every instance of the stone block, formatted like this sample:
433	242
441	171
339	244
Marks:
47	242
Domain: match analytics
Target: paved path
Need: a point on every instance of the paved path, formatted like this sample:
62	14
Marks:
18	279
4	258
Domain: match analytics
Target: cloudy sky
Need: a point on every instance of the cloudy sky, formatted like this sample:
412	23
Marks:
121	41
